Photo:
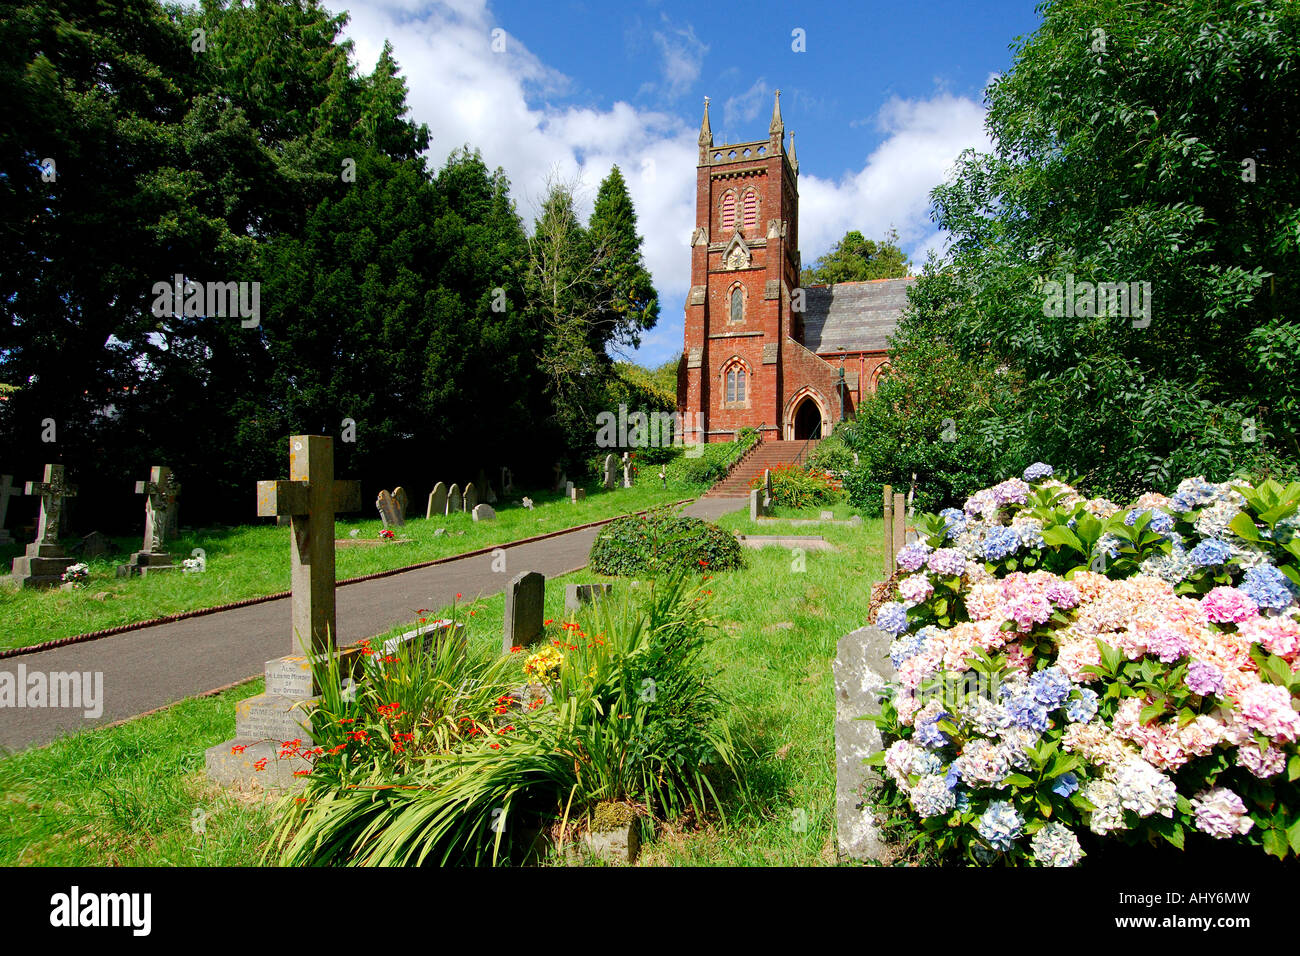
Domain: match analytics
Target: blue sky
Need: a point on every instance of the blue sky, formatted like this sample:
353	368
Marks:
882	101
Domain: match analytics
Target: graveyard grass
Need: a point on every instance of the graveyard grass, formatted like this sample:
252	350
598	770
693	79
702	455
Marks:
252	560
80	800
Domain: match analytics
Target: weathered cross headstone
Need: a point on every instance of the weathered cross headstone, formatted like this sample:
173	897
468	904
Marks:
454	501
627	470
507	481
525	599
611	471
483	512
437	501
559	477
44	563
311	497
861	669
389	513
471	497
576	595
7	489
160	491
401	499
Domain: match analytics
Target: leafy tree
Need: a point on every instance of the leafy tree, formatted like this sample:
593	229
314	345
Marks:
1145	143
857	259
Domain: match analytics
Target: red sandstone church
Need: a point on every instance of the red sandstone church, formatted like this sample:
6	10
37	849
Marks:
760	351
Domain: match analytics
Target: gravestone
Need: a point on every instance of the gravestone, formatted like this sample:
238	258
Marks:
389	513
44	562
755	504
627	470
160	491
559	477
826	515
525	599
401	499
568	489
454	501
437	501
483	512
310	497
485	488
527	503
576	494
507	481
576	595
94	545
862	670
767	484
470	498
7	489
611	471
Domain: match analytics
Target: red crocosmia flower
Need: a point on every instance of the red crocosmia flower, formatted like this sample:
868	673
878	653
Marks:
495	746
516	649
238	748
458	597
299	799
302	773
260	765
703	563
549	620
535	704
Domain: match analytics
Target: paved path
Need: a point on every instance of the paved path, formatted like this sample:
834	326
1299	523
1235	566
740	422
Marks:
154	666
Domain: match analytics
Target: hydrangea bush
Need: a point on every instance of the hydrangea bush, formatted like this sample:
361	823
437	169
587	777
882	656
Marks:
1068	664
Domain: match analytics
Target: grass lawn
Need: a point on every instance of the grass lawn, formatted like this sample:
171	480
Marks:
134	794
252	561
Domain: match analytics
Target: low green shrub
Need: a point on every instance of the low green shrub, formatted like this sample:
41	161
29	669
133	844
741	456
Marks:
663	541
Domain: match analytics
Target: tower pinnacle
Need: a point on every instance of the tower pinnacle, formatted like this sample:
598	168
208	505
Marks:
706	132
778	125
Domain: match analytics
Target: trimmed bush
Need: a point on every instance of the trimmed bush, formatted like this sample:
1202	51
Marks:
662	541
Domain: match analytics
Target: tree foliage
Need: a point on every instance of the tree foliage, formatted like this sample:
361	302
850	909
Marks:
857	259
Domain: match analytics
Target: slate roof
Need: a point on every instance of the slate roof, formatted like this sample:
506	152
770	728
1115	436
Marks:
857	316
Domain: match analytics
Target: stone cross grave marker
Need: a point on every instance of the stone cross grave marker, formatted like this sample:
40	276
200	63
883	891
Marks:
45	562
471	497
161	492
7	489
627	470
507	481
611	471
311	497
437	501
525	600
454	501
401	499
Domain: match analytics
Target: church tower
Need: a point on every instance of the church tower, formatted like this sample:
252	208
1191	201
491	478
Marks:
744	267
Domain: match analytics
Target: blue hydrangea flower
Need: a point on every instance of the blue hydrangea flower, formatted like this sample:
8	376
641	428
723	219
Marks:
892	618
1050	687
1268	587
1161	522
928	734
1209	553
1001	825
1001	543
904	647
954	521
1037	471
1031	534
953	777
963	801
1083	708
1065	784
1027	712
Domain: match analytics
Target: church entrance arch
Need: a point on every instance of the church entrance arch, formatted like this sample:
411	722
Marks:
805	416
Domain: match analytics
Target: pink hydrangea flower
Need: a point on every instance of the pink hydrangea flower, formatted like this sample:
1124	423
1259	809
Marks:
1225	605
1262	763
1220	813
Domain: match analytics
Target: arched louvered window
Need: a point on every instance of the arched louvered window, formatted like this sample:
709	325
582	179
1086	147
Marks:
751	212
728	212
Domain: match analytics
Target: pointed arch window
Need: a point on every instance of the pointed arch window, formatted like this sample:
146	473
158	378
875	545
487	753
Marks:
734	384
728	212
737	305
751	211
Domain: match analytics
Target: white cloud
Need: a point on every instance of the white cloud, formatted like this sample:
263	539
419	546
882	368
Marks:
497	102
681	56
742	109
